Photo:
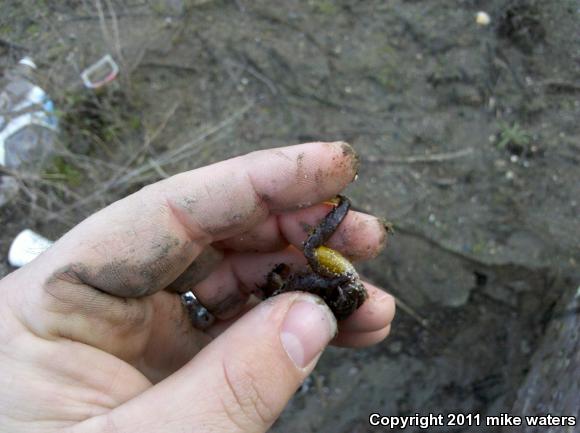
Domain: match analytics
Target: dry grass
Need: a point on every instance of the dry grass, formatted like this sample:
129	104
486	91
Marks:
105	150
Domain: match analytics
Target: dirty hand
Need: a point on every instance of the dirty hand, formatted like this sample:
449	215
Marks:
94	337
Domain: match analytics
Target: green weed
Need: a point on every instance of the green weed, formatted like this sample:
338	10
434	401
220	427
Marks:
513	135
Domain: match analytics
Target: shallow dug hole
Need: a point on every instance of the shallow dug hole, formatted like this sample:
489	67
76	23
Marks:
468	139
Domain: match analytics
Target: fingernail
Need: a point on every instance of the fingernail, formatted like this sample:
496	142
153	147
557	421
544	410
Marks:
307	329
382	296
349	152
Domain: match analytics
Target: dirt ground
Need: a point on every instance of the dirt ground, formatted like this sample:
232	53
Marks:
469	138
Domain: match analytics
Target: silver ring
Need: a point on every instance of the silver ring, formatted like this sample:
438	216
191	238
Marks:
199	316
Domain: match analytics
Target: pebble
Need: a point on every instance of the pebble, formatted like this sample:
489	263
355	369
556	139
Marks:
482	18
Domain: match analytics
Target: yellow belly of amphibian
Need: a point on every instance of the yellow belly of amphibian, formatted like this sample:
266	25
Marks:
333	262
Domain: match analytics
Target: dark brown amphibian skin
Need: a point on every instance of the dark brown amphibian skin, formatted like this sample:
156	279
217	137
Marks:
330	276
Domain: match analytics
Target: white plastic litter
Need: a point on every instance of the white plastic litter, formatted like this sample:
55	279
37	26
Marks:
28	130
26	247
100	73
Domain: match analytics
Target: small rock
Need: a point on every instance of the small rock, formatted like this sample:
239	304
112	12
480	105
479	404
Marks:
482	19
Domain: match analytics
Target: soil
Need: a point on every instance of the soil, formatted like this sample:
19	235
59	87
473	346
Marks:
469	138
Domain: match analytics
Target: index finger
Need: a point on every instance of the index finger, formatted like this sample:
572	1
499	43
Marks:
141	243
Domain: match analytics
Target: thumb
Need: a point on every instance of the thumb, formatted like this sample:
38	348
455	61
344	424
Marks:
242	381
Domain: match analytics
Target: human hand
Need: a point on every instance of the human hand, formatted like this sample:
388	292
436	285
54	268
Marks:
95	339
